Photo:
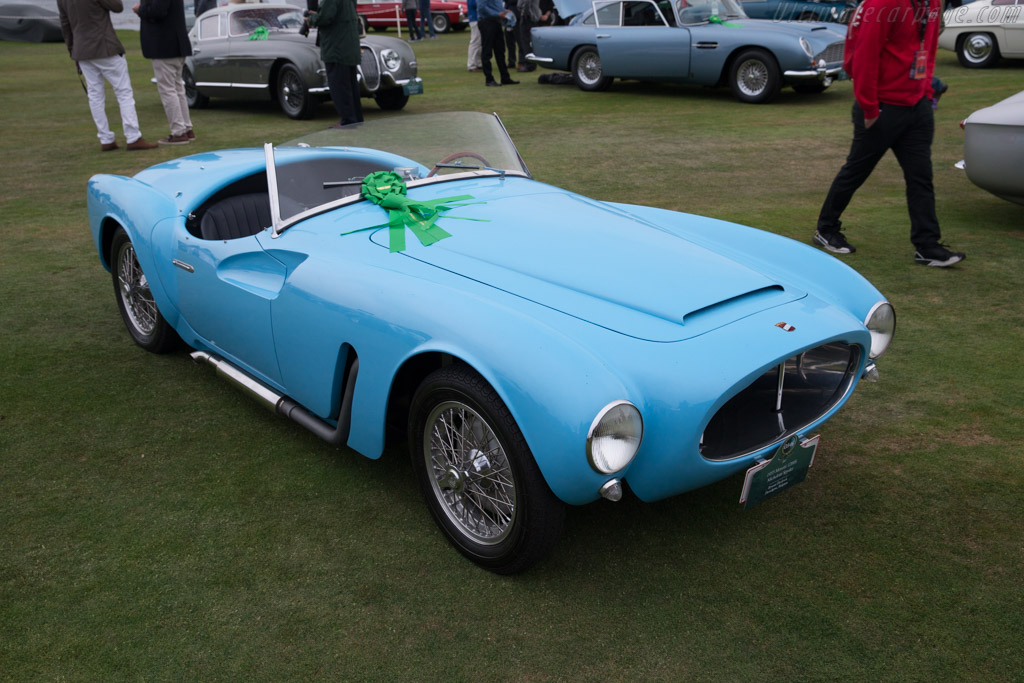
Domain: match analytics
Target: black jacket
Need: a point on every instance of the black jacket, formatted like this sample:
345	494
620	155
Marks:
162	29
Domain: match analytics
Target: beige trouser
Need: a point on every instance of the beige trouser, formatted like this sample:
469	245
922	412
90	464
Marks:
172	93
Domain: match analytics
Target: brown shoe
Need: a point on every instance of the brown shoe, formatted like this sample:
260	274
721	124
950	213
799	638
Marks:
108	146
190	135
140	144
174	140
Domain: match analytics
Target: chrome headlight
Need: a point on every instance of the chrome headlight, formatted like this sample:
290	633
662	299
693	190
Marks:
614	437
881	323
391	59
806	47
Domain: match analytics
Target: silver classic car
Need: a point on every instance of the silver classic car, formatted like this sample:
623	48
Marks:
251	51
704	42
994	148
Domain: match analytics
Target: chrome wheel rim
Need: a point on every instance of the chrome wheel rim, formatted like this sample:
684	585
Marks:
469	473
134	290
977	48
589	69
752	77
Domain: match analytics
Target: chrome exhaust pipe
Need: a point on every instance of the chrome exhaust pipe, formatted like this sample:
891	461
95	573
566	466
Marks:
334	434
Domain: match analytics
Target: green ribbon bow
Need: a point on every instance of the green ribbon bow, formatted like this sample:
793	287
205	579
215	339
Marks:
261	33
387	190
715	19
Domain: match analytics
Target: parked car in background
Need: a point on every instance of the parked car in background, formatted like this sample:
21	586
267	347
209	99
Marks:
27	23
445	15
983	31
800	10
704	42
250	51
407	279
994	148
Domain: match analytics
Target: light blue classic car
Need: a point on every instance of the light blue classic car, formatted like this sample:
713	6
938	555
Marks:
535	347
704	42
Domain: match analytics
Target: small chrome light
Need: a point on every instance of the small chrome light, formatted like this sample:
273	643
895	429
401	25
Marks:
391	59
612	490
806	47
614	437
881	323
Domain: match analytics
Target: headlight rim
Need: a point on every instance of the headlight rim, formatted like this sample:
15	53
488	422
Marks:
388	55
874	354
601	414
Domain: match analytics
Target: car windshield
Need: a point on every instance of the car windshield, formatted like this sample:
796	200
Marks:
325	169
248	21
702	11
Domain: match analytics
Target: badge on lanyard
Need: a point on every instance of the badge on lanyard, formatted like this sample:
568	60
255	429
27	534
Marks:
917	72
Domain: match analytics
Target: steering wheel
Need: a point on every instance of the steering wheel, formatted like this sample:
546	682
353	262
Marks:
458	155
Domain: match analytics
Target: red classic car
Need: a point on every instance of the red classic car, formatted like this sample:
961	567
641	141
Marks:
444	14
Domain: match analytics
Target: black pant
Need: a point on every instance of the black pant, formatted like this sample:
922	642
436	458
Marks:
525	41
343	82
908	132
492	42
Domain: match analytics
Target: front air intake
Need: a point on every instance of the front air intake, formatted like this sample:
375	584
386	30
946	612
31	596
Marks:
782	401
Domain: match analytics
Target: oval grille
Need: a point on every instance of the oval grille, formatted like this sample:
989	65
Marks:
782	401
370	69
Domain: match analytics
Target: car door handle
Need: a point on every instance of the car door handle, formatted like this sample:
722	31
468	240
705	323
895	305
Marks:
603	35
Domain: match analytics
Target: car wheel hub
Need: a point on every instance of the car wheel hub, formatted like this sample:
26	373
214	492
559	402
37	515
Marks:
752	77
590	68
470	473
978	48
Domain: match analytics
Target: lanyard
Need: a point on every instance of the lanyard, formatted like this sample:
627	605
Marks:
921	9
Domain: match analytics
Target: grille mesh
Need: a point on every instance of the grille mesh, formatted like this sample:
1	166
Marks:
832	53
370	70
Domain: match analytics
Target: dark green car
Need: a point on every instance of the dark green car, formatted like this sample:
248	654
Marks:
255	51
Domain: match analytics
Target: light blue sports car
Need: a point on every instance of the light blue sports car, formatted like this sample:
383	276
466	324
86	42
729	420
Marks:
704	42
535	347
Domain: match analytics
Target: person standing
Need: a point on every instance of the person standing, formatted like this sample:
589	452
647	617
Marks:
165	41
529	16
426	20
415	33
473	53
337	25
203	6
890	55
490	14
93	45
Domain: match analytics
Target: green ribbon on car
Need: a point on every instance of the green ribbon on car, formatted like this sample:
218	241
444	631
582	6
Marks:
715	19
261	33
387	190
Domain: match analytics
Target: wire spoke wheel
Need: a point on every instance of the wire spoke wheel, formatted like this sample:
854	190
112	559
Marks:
138	300
135	300
470	473
477	474
752	77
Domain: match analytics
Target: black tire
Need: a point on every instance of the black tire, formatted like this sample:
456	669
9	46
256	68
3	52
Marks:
380	29
754	77
393	99
586	70
440	23
135	300
292	93
977	50
811	88
478	477
195	99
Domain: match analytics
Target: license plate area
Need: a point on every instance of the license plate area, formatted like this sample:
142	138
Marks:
786	468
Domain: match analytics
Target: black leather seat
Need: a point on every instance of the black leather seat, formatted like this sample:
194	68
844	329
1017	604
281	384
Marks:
234	217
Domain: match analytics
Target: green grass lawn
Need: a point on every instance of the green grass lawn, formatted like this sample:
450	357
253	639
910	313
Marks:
155	524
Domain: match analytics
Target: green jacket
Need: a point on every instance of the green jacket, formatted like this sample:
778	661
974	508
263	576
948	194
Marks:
338	26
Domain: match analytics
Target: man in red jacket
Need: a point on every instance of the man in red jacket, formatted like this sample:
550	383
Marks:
890	55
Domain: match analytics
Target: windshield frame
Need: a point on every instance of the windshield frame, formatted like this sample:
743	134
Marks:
412	175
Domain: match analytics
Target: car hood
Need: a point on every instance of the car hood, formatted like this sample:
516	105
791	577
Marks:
592	261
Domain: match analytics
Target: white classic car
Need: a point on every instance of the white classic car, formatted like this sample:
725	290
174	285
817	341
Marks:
994	148
983	31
